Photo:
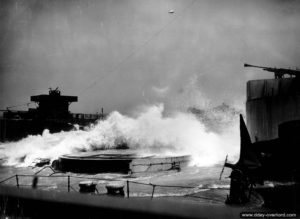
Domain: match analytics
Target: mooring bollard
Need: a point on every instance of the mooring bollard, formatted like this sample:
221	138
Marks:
115	189
87	187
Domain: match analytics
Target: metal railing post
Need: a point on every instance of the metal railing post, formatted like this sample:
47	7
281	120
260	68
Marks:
127	189
17	180
35	182
153	191
68	183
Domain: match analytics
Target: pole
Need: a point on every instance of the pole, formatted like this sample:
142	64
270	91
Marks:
153	191
127	189
17	179
68	183
35	182
223	167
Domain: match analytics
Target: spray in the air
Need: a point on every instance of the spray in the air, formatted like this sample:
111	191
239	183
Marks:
150	132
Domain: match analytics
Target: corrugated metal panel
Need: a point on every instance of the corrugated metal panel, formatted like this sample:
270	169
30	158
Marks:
269	103
273	87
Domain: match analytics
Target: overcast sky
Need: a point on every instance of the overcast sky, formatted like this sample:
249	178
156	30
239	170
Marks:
120	54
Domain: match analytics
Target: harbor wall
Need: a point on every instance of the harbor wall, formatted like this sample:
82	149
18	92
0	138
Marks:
269	103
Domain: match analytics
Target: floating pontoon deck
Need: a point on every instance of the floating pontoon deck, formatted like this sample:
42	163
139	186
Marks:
122	161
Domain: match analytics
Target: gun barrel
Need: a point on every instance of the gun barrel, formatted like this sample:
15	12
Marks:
279	72
255	66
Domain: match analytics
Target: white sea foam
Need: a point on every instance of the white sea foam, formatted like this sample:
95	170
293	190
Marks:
149	132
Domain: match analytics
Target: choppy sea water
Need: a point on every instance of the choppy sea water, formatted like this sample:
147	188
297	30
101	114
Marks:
199	184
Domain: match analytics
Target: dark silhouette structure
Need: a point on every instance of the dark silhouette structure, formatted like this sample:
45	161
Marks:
269	150
53	105
278	72
52	113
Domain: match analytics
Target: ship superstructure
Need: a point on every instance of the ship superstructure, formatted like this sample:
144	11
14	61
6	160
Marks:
269	142
52	113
